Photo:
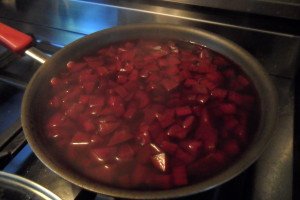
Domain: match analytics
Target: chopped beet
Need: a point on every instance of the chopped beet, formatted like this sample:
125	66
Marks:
182	111
103	154
160	181
231	147
97	140
130	111
183	156
139	174
167	118
169	147
125	153
107	127
89	125
177	131
227	108
191	146
75	66
179	175
120	136
169	84
150	114
188	122
80	139
219	93
143	136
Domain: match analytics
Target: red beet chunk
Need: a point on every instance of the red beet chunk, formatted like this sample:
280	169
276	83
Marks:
160	162
97	140
103	154
229	73
219	93
243	81
76	66
241	133
89	86
167	118
71	94
177	131
184	157
182	111
120	90
202	98
188	122
142	98
231	148
105	173
235	98
125	153
54	102
120	136
95	101
160	181
227	108
74	110
89	126
59	134
125	181
170	84
84	99
173	60
169	147
144	136
130	111
144	154
179	175
191	146
220	61
139	174
102	71
107	127
230	122
55	120
87	76
215	77
80	139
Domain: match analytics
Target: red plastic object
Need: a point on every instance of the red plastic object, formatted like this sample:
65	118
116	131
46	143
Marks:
13	39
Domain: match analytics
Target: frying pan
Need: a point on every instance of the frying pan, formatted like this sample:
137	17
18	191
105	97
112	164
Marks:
32	105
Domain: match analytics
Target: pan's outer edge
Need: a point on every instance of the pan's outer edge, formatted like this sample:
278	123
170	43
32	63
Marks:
249	64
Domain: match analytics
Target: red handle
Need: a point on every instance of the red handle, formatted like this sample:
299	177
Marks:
14	39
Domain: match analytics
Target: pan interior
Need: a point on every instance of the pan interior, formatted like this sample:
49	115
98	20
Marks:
33	108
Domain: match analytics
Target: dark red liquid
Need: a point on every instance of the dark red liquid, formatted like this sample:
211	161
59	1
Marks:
151	114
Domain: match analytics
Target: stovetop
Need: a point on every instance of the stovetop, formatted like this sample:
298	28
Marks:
57	23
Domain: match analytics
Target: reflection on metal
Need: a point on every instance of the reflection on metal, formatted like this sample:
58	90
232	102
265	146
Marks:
17	186
183	15
37	54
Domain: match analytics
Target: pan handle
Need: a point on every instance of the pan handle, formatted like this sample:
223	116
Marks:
19	42
13	39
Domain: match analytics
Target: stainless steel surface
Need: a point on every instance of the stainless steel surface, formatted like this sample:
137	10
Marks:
276	45
276	8
275	168
36	54
40	174
28	189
